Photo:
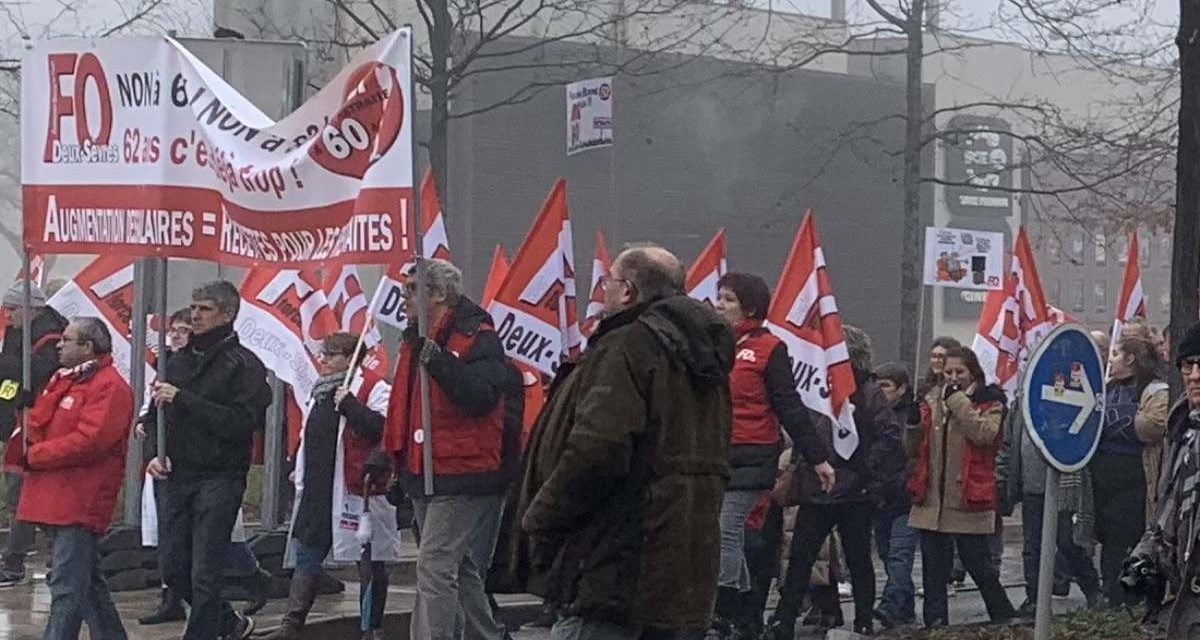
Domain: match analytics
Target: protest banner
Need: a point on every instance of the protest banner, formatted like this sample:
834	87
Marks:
133	146
706	271
387	305
804	315
595	305
1013	320
1132	303
589	115
104	289
963	258
534	310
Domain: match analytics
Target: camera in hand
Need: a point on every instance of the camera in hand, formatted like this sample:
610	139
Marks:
1141	577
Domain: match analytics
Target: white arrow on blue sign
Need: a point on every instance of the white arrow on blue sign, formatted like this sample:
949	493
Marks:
1062	397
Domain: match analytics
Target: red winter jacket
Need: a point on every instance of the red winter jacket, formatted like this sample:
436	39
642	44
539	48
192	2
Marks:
476	440
78	429
366	411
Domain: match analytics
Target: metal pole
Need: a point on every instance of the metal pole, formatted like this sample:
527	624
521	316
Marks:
273	454
161	431
1041	626
137	382
422	312
26	351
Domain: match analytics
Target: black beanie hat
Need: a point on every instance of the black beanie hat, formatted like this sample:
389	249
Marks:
1189	346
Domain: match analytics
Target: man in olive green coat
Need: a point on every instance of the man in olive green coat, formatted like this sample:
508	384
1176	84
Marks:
616	517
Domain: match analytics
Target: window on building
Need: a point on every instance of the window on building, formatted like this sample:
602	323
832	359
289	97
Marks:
1055	293
1144	250
1100	243
1164	250
1121	246
1054	248
1077	295
1164	302
1077	247
1100	295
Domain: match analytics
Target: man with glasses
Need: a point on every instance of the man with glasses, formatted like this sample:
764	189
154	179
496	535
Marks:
215	396
1169	549
45	327
73	470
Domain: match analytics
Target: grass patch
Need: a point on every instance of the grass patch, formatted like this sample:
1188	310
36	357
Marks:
1077	625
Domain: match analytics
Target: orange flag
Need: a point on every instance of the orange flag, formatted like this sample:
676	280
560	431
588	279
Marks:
496	274
595	305
702	277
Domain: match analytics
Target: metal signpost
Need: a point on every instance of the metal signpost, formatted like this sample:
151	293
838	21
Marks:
1062	402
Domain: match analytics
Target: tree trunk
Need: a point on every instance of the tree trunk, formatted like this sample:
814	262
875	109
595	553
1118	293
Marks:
1185	260
439	90
910	281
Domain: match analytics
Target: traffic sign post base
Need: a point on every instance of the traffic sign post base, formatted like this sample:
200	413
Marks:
1045	585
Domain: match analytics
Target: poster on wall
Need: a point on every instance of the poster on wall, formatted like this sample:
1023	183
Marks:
133	146
963	258
589	114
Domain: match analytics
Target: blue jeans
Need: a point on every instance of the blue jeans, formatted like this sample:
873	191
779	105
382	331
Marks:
897	545
78	591
735	508
194	531
1071	561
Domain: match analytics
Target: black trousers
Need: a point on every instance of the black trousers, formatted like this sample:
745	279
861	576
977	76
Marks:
813	524
937	558
1119	483
194	530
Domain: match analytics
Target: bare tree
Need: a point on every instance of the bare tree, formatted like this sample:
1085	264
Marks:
1185	264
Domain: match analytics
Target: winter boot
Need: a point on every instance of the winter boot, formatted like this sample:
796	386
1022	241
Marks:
170	609
301	594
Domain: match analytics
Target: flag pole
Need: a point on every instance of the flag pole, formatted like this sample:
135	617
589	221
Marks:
164	321
26	351
422	312
920	333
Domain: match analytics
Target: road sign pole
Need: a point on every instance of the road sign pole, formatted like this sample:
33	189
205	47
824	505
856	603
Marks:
1045	585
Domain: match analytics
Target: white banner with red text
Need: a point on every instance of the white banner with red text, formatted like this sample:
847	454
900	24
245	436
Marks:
133	146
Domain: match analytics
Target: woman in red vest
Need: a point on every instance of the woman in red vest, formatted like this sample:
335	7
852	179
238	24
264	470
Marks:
764	400
953	485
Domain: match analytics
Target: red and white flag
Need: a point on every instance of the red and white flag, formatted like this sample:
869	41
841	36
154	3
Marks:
534	309
104	289
595	306
387	305
283	318
1014	319
710	265
1132	303
344	294
495	278
805	317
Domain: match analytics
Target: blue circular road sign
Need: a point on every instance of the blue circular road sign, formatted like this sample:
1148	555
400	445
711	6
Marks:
1062	397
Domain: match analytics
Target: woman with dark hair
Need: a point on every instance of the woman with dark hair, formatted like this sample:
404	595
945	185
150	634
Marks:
764	400
953	484
1125	467
937	361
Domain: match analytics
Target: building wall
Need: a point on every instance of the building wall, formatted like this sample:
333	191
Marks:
707	145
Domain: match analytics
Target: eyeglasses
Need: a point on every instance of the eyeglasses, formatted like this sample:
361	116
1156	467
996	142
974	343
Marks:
334	354
1188	367
606	280
66	339
182	331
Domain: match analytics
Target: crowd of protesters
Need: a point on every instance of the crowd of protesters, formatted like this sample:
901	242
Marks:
672	477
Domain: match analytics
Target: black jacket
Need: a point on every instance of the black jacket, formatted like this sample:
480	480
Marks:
754	466
895	467
222	400
861	478
45	327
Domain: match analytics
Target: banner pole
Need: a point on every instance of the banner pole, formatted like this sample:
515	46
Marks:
419	250
26	349
161	431
137	384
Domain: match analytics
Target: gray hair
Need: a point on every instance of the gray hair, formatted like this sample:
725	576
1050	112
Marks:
443	277
858	345
655	272
96	332
223	294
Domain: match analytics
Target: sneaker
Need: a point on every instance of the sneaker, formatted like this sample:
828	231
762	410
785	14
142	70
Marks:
844	590
243	627
1062	588
9	578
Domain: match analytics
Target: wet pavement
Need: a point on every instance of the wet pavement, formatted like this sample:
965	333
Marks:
23	609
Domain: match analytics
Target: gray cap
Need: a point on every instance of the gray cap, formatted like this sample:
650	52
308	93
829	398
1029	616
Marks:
15	296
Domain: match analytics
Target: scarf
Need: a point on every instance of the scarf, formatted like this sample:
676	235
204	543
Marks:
745	328
326	385
204	341
1075	496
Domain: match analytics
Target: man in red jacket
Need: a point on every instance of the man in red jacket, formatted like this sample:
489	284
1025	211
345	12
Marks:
74	466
